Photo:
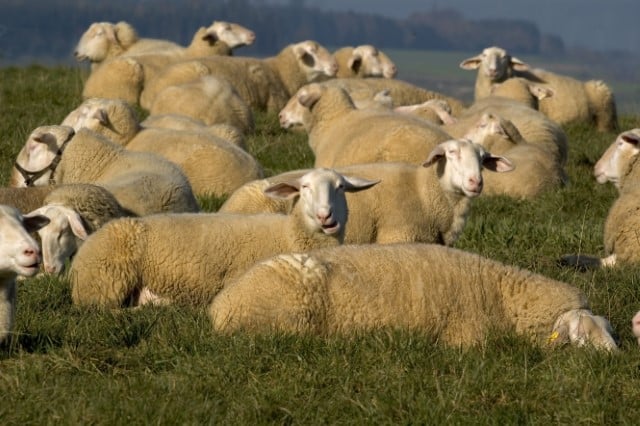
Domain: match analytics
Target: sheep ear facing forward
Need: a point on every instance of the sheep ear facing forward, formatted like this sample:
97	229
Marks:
34	222
497	164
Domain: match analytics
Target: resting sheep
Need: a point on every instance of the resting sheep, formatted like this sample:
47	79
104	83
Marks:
212	165
119	78
427	203
74	211
19	255
363	61
264	84
618	164
188	258
458	298
340	134
589	102
142	182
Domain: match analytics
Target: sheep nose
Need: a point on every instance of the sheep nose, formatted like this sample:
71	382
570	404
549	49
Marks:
474	184
323	215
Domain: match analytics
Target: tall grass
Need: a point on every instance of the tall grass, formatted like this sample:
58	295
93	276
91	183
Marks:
71	365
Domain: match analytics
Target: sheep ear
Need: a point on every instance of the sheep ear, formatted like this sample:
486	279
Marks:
631	138
102	116
355	184
540	92
518	65
34	221
497	164
354	63
284	190
46	138
77	227
111	33
436	154
471	63
211	36
308	98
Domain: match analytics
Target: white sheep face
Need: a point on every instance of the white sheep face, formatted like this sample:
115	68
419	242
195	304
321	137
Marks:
613	163
60	237
488	125
233	35
19	253
494	62
367	61
95	42
92	114
322	198
293	114
315	60
463	164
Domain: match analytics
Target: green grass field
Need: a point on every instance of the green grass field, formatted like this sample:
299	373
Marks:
70	365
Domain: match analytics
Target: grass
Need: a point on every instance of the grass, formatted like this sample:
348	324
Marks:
70	365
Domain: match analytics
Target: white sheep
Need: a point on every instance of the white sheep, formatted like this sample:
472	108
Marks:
494	64
573	100
436	111
74	211
142	182
19	255
411	203
119	78
364	61
213	165
188	258
456	297
264	84
209	99
340	134
618	164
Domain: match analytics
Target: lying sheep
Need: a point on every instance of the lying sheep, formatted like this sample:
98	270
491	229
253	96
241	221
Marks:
188	258
19	255
340	134
363	61
430	204
589	102
618	164
209	99
142	182
182	122
74	211
212	165
25	199
436	111
456	297
264	84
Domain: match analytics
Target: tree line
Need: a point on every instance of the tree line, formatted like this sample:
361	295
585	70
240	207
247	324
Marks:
47	30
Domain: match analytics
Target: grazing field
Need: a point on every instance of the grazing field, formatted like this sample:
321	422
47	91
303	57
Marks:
70	365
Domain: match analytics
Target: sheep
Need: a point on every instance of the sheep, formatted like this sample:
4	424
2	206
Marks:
458	298
142	182
74	212
340	134
212	164
182	122
19	255
494	65
363	61
25	199
188	258
119	78
264	84
618	164
430	204
436	111
573	100
209	99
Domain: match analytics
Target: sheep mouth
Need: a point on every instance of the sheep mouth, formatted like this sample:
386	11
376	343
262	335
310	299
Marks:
330	228
29	270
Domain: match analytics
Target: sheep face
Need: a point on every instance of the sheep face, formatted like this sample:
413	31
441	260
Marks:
294	114
95	42
494	63
19	253
460	165
613	164
314	60
322	198
36	158
91	114
58	238
367	61
581	327
233	35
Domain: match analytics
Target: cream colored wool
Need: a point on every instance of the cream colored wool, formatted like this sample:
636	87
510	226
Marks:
456	297
188	258
119	78
182	122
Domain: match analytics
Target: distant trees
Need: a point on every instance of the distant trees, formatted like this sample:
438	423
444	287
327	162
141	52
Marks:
48	29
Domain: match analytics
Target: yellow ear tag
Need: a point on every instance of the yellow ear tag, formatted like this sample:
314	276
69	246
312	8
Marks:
554	336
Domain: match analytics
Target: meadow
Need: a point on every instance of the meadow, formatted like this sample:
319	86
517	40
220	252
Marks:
164	365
